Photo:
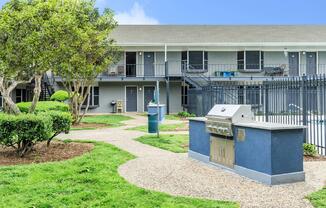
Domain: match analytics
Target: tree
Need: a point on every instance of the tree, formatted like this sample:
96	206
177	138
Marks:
13	69
85	50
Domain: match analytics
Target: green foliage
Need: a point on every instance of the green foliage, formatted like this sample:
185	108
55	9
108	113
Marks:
61	122
309	150
60	95
177	143
44	106
91	180
184	114
110	120
163	127
318	199
24	130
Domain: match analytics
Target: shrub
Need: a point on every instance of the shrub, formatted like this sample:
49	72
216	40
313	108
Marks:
61	122
44	106
184	114
23	131
60	96
309	150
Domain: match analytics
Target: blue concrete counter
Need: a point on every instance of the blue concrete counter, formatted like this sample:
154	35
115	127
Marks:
269	153
199	139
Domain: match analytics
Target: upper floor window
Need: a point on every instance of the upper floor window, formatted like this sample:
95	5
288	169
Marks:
250	60
194	60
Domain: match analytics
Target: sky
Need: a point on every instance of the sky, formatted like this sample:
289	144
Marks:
216	11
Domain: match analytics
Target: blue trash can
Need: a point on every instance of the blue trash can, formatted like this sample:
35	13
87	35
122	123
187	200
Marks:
152	122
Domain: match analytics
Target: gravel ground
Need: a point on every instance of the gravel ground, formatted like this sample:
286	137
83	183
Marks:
177	174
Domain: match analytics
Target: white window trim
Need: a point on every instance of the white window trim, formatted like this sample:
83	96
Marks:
245	60
203	55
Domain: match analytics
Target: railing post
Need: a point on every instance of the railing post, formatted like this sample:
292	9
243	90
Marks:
167	84
266	102
304	104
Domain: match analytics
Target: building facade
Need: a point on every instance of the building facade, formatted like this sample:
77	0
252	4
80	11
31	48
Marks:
179	57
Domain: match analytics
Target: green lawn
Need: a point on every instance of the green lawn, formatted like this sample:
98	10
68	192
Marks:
90	180
173	117
163	127
174	143
318	199
109	120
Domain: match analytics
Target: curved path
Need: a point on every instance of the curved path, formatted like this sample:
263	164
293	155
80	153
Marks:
176	174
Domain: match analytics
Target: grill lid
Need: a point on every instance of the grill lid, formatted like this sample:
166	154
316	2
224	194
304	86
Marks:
235	113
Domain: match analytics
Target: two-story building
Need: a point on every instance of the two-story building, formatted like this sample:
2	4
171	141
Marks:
169	53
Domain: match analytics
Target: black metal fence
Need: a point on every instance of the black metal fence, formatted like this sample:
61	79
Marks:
297	100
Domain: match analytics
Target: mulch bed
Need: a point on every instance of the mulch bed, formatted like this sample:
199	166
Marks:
41	153
316	158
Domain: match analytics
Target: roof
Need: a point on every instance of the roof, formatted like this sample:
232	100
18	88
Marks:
219	34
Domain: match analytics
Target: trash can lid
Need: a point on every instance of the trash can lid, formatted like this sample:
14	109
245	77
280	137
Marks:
152	114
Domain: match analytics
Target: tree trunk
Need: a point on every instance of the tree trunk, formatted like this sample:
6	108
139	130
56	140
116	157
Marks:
37	92
12	107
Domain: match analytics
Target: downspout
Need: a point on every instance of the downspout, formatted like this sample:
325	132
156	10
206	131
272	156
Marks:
167	80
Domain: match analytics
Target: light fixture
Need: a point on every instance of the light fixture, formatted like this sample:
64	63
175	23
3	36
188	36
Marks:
286	53
140	89
303	52
140	53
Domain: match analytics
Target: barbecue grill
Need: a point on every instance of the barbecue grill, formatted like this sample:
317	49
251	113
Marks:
219	124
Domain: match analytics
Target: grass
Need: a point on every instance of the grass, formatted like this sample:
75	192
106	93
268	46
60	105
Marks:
109	120
174	143
318	199
163	127
173	117
91	180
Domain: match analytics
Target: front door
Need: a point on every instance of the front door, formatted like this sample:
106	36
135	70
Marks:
148	96
149	64
311	63
131	99
294	63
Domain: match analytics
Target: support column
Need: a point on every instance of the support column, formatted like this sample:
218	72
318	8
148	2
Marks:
167	80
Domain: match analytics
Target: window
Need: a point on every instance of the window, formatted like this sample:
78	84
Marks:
194	60
184	95
94	97
23	95
250	60
1	101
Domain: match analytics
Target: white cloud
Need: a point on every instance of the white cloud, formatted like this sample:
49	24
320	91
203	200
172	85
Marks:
136	16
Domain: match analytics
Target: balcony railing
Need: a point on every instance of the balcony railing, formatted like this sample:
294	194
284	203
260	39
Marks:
177	68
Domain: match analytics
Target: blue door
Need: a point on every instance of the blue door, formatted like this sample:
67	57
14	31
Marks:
293	63
149	64
131	96
148	96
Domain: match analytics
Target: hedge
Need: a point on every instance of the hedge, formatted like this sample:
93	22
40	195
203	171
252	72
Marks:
60	96
61	122
23	131
44	106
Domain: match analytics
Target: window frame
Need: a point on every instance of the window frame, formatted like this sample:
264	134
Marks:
242	63
204	65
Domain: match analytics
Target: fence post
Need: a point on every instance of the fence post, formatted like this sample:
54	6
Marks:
266	102
304	104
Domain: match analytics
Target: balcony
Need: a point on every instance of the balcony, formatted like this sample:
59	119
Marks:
156	71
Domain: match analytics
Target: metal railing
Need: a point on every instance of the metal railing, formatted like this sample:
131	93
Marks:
296	100
176	68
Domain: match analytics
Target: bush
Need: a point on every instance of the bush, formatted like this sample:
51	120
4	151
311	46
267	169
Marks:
44	106
309	150
60	96
184	114
61	122
23	131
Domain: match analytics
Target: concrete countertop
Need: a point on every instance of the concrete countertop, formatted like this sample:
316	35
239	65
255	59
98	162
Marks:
198	119
269	126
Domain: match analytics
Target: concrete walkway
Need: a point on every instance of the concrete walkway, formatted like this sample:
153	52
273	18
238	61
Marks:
176	174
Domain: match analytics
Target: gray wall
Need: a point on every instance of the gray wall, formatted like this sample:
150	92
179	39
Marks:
116	91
